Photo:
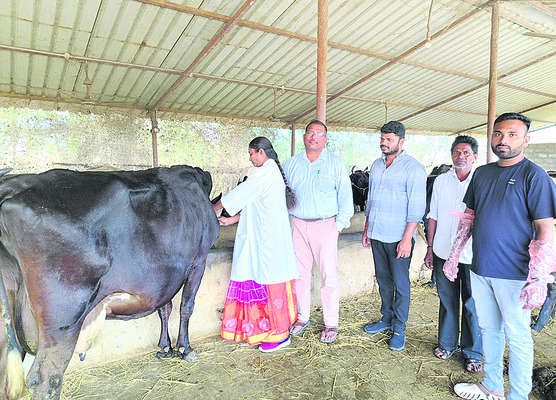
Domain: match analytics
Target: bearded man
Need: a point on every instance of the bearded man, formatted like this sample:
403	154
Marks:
511	205
395	206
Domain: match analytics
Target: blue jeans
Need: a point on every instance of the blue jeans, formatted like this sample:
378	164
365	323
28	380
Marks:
502	319
449	293
392	275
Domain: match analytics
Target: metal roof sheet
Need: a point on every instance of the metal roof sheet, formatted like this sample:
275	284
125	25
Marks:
136	50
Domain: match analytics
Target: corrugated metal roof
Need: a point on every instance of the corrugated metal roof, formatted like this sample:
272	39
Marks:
136	50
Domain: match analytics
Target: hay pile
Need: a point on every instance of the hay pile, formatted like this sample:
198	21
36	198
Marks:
356	366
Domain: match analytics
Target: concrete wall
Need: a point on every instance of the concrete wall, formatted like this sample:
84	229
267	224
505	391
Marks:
122	339
543	154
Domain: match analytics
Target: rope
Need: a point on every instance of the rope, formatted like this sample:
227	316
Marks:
360	188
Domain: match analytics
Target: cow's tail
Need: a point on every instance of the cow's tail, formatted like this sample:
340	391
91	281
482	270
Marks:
15	376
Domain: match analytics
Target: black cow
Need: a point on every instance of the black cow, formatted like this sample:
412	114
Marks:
224	213
544	382
548	309
360	187
71	240
439	170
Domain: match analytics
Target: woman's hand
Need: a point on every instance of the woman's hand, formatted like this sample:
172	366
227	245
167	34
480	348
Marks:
224	221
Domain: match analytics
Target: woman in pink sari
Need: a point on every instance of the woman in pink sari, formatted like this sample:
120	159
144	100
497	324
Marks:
261	302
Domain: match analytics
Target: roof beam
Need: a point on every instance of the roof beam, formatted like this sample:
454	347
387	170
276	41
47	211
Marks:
70	57
212	115
186	9
525	23
71	101
340	46
478	87
313	93
257	26
545	8
293	35
521	112
397	59
206	51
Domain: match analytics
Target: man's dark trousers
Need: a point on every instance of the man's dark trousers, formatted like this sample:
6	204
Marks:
449	312
392	275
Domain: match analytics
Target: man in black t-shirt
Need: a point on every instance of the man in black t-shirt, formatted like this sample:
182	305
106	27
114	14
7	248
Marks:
511	206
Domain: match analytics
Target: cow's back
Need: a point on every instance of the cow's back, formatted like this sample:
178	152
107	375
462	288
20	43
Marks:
79	236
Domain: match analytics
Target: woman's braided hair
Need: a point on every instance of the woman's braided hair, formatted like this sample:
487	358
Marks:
263	143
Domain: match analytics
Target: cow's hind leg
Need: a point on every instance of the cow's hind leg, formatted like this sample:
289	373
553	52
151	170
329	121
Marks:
190	288
45	377
166	350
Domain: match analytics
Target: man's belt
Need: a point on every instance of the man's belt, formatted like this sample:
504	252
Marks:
314	219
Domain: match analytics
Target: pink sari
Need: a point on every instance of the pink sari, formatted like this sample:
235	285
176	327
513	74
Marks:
259	313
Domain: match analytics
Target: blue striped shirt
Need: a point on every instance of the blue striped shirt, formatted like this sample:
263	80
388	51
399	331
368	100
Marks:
322	187
397	195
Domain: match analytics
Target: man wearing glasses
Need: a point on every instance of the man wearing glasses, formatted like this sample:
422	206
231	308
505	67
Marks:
321	183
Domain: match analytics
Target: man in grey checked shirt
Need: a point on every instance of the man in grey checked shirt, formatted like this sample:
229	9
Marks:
395	206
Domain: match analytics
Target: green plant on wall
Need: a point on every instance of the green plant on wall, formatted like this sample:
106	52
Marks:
36	140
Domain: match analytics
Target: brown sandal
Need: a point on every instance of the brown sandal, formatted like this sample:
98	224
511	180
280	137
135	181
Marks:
298	327
327	330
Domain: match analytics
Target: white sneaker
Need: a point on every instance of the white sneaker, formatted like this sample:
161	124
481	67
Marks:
475	391
266	347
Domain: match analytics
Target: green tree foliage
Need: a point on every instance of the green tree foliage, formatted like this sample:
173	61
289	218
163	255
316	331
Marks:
35	140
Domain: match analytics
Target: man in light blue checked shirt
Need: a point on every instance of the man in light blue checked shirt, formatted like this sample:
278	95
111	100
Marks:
395	206
321	183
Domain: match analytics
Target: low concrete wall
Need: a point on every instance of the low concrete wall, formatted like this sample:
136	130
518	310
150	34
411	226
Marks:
120	339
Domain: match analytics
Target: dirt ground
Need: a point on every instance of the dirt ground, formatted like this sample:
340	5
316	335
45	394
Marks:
356	366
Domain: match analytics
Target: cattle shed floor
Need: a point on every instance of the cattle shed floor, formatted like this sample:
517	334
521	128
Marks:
356	366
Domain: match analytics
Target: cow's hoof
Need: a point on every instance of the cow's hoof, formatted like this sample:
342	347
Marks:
192	356
188	356
166	352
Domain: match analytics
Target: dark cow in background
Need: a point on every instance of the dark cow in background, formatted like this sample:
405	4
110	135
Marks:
360	187
439	170
548	309
544	382
71	241
544	378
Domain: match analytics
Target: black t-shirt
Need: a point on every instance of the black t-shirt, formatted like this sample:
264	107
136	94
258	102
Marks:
506	201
